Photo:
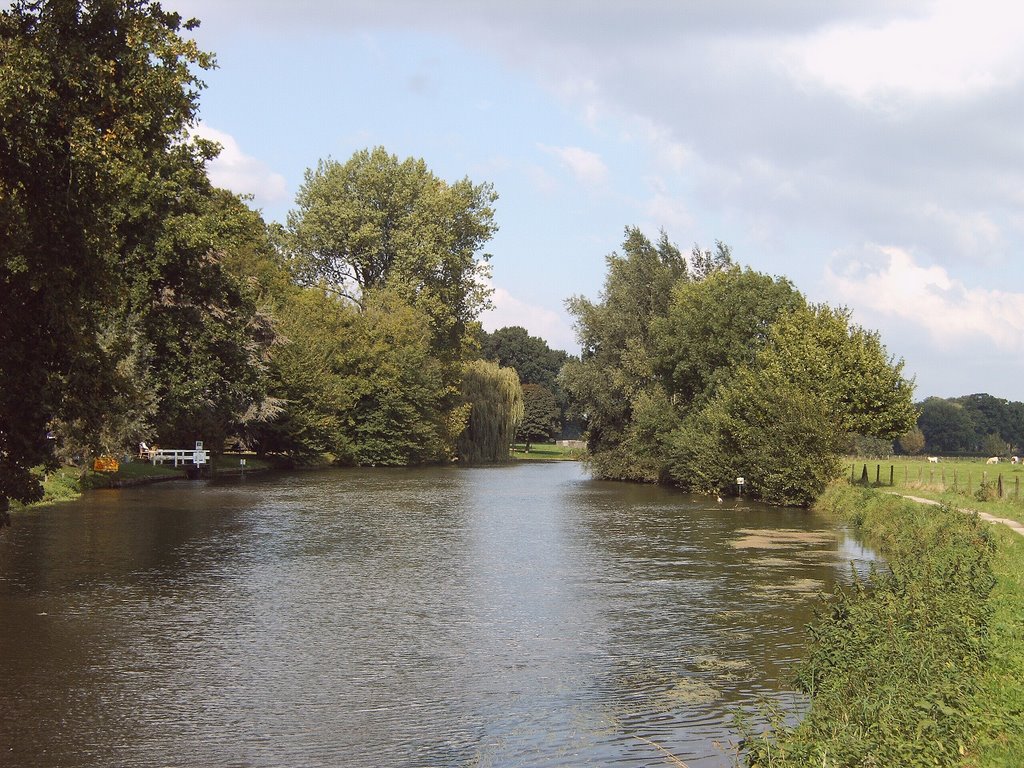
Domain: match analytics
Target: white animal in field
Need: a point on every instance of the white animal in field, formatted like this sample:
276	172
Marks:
933	459
1014	460
993	460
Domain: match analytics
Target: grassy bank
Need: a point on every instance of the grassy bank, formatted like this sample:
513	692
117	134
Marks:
545	452
921	664
68	483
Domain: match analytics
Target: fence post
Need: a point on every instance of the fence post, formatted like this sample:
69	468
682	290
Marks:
878	474
864	475
954	478
999	485
1016	488
852	469
892	471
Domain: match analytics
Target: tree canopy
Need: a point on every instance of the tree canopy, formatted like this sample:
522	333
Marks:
96	99
725	373
376	221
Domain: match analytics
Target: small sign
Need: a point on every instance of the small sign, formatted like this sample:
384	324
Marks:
740	481
241	462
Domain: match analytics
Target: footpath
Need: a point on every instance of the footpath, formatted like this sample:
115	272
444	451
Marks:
1013	525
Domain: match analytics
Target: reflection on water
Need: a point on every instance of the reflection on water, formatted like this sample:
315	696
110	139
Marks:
513	616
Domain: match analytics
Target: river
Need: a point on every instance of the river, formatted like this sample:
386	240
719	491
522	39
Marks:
514	616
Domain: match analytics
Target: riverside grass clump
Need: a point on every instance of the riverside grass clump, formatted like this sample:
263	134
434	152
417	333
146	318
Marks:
898	660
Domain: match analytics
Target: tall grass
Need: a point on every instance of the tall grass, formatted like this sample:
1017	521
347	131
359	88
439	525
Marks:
907	663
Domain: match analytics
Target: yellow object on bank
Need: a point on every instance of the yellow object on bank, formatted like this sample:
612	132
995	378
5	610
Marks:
105	464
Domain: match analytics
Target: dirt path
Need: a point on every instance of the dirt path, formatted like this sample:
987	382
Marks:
1013	525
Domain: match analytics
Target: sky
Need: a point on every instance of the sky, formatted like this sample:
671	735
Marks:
870	151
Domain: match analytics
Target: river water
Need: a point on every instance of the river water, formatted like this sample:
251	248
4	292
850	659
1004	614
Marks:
514	616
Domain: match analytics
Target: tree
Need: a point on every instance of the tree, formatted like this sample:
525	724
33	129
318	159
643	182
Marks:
95	101
495	400
912	441
615	369
541	415
376	222
533	359
713	325
946	425
782	420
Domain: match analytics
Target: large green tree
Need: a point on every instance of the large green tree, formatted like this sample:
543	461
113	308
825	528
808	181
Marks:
376	221
96	98
713	325
782	419
615	374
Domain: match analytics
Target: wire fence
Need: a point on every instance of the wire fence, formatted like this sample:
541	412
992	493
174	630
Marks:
958	479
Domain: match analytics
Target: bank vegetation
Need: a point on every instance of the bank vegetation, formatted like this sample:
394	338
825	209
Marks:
919	663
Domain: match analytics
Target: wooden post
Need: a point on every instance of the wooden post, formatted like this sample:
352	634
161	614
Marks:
1016	488
954	478
999	485
853	468
892	471
878	474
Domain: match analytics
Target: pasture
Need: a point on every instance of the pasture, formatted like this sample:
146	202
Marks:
966	483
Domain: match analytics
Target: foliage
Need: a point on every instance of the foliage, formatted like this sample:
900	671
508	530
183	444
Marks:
947	426
534	361
896	659
95	101
376	222
714	325
362	386
495	398
762	426
912	441
541	417
615	368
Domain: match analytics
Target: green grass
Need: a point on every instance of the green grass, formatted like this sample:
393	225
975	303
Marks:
923	663
954	481
546	452
1000	698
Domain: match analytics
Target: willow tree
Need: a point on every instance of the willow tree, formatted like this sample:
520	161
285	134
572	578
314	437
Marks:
495	398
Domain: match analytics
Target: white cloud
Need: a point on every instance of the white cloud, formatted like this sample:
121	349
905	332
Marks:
950	49
586	166
889	282
667	211
539	321
241	173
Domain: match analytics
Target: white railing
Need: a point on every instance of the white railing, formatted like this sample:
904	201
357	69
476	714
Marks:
195	456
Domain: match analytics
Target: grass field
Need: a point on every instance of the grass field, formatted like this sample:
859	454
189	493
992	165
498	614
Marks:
546	452
966	483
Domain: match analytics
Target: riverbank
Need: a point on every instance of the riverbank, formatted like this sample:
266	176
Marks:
69	483
920	664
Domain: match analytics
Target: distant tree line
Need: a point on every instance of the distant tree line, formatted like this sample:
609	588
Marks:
978	424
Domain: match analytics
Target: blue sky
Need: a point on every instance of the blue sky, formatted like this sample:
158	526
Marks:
872	152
